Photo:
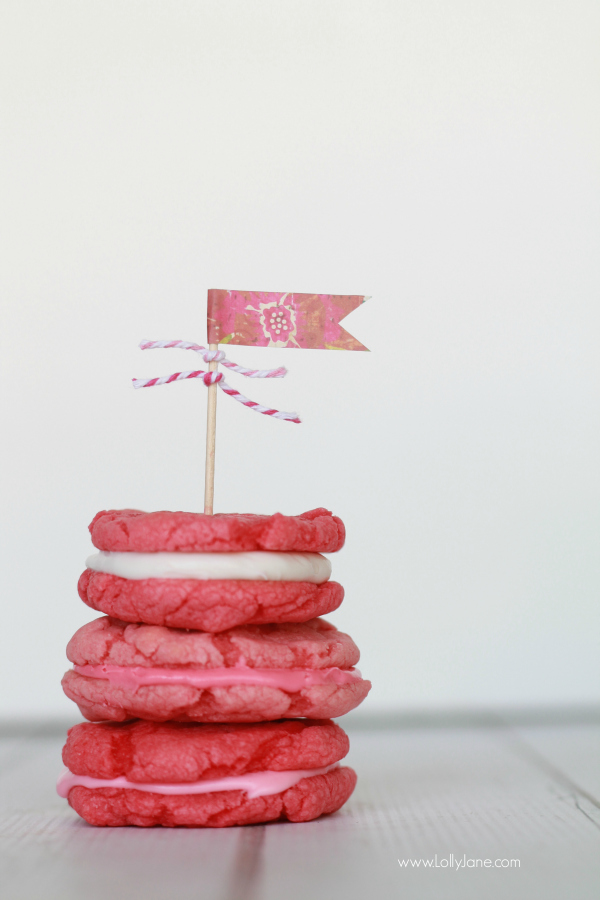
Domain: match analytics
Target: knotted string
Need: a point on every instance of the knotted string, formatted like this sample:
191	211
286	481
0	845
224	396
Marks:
215	377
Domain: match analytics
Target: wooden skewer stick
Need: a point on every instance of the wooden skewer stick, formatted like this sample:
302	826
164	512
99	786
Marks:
211	433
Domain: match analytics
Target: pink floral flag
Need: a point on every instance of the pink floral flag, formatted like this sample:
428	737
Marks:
260	319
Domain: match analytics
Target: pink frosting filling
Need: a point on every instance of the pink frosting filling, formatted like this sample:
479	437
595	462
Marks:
256	784
132	677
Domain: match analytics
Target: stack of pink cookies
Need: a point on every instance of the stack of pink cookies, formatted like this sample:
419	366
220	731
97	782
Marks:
195	679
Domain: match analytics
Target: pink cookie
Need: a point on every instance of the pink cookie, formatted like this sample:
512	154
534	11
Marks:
207	605
316	531
251	673
142	773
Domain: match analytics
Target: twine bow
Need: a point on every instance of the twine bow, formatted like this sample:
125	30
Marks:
215	377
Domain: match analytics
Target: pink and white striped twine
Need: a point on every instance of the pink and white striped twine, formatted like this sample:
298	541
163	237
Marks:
215	377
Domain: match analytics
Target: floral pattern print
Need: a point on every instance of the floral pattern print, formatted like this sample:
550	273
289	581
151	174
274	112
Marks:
262	319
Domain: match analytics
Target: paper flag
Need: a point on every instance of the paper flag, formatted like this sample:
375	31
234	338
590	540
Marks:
301	321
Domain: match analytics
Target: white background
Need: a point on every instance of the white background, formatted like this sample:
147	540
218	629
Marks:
439	156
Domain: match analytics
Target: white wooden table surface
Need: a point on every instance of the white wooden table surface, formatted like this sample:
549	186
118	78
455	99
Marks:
530	793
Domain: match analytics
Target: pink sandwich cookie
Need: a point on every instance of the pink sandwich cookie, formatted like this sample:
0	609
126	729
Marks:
212	573
143	773
251	673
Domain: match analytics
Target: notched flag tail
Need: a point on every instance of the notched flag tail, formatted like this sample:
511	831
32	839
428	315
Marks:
300	321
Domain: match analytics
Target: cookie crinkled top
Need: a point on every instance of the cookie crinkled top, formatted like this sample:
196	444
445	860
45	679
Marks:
316	531
175	752
315	644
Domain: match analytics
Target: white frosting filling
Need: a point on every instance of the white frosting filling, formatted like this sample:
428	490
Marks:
257	565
